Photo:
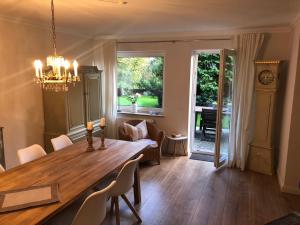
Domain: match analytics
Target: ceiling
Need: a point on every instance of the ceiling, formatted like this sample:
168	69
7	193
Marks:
140	17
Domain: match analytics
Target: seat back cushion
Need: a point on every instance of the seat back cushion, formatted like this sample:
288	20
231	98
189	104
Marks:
142	129
138	131
132	131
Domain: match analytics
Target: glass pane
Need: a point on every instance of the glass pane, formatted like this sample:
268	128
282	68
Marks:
140	82
226	106
93	97
227	69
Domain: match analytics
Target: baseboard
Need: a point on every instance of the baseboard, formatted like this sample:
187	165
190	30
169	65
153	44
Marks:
290	190
286	188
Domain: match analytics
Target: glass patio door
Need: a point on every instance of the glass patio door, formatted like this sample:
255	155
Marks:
224	106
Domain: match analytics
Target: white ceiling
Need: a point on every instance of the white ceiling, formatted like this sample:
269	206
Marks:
94	17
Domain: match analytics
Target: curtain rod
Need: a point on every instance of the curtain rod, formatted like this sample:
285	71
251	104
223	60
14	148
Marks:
174	41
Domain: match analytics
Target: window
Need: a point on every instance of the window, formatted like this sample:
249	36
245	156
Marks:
140	83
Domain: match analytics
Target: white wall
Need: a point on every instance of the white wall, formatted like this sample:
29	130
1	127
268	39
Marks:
289	166
21	109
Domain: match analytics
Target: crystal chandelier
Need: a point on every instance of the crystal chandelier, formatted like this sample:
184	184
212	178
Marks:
58	74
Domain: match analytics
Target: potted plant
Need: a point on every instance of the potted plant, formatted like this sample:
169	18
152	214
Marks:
133	99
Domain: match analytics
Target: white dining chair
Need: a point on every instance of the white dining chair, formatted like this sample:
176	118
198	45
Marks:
93	209
30	153
124	183
61	142
1	169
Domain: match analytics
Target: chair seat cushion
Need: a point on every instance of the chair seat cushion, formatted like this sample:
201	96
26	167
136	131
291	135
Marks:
151	143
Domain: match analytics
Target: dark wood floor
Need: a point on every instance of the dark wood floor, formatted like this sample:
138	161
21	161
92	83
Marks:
189	192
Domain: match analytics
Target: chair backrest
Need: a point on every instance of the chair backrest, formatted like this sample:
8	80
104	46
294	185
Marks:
61	142
30	153
125	178
1	169
93	209
209	117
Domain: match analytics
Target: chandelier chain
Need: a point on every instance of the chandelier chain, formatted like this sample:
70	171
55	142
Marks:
53	27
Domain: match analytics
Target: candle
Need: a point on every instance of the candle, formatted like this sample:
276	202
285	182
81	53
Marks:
67	66
36	66
75	66
102	122
89	125
41	69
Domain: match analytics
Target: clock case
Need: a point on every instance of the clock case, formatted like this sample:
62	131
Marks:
261	154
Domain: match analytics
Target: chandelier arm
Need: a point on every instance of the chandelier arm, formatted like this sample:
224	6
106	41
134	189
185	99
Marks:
53	27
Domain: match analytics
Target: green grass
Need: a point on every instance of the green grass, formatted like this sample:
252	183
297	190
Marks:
198	119
143	101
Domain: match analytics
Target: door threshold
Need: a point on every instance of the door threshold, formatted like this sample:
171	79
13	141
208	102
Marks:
203	153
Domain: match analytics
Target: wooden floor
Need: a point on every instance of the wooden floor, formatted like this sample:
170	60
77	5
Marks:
182	191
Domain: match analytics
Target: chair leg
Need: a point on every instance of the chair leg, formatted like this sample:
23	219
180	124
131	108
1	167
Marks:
158	157
117	210
131	208
112	205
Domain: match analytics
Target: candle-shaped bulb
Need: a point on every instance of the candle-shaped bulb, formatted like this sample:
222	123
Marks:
36	66
89	126
75	66
66	64
102	122
41	68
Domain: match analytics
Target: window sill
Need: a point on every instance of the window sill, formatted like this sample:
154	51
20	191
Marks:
141	113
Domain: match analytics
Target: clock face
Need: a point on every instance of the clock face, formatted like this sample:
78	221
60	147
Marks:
266	77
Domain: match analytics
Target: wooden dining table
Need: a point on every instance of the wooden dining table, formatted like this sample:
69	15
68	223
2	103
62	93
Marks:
74	169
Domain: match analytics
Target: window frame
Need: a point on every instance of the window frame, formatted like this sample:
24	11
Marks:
144	110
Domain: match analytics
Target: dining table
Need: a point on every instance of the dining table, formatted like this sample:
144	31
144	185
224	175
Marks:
74	169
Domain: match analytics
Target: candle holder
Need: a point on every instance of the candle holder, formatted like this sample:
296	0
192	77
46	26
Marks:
89	138
102	147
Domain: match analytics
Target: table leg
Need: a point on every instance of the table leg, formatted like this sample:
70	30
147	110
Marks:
174	153
137	186
183	146
168	143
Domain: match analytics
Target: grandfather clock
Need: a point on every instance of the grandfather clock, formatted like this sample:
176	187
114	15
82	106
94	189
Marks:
261	154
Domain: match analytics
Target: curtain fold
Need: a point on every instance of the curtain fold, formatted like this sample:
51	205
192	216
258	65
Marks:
105	56
243	99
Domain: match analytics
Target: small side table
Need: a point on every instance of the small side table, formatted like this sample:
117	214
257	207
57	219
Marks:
177	141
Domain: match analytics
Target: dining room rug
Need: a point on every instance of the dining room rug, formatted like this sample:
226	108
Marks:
202	157
290	219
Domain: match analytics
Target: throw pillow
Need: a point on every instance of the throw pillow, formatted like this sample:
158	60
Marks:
132	131
142	128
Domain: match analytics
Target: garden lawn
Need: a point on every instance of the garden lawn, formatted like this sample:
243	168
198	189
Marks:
143	101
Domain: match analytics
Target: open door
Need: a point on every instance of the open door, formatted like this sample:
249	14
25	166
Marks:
193	87
224	106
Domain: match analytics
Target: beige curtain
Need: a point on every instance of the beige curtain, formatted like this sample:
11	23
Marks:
243	99
105	56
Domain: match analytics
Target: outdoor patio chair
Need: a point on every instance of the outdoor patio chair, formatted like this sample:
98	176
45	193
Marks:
209	121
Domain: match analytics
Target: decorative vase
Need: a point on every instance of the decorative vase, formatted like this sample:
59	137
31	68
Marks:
134	107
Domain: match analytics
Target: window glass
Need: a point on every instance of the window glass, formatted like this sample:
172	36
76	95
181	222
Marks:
140	82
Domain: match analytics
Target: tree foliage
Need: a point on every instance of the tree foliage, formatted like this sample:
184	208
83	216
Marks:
142	75
207	79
